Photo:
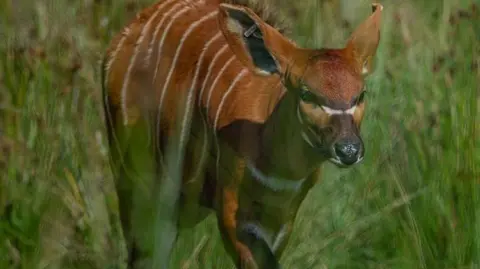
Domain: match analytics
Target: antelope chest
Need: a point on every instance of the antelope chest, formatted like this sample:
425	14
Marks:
276	196
268	205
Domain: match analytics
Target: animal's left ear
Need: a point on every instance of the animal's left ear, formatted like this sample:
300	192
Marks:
364	40
260	47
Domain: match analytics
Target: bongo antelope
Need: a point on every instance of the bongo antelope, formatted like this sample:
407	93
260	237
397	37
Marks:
248	116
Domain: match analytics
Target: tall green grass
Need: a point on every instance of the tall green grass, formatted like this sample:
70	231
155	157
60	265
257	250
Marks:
413	203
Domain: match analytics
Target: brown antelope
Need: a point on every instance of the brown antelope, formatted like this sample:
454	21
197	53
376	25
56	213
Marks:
251	117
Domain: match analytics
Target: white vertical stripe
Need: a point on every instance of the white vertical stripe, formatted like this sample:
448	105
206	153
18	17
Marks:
210	68
113	56
220	106
212	87
186	34
159	56
209	71
126	81
164	36
202	56
157	29
227	93
190	96
155	34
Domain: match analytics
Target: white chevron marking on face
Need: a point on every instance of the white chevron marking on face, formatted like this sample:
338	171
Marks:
331	111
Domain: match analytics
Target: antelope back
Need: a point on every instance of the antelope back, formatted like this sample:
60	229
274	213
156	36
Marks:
174	55
225	60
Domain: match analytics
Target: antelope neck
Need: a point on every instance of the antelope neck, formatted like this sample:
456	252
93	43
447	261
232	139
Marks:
286	159
275	183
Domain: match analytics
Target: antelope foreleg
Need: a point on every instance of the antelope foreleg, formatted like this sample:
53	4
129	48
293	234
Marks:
263	256
246	249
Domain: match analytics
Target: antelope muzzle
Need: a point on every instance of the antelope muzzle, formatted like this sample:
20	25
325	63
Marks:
346	144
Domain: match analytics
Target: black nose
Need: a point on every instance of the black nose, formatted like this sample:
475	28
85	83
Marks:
348	151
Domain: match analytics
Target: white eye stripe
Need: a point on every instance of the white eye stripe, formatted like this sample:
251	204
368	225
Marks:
332	111
329	111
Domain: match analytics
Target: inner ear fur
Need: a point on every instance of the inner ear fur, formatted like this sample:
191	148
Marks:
364	41
256	44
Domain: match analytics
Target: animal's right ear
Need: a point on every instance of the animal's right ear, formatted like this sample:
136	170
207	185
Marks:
364	40
260	47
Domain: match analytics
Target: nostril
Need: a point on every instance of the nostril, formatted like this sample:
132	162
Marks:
347	152
346	149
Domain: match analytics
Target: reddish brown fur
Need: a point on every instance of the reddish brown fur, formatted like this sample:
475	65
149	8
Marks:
335	71
239	124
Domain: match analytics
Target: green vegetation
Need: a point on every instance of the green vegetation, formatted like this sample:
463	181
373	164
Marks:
413	203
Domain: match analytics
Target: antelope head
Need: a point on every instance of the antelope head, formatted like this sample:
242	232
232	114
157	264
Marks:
329	84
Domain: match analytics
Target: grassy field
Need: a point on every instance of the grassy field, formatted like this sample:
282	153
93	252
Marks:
413	203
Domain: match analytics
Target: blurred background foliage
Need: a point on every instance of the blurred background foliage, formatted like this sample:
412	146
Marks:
412	203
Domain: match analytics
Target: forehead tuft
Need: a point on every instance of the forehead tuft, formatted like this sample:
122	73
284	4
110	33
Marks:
334	78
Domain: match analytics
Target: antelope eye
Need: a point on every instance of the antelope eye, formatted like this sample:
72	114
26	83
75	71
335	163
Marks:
361	97
307	96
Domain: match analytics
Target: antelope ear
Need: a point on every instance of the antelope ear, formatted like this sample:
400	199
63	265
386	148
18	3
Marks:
364	40
254	42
